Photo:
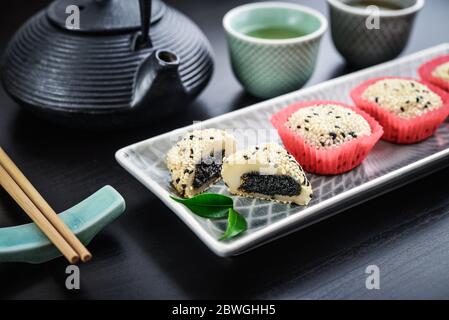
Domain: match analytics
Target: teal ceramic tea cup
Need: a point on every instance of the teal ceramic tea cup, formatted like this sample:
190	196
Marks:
273	45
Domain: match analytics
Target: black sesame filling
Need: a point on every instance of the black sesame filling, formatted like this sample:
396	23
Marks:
270	185
208	169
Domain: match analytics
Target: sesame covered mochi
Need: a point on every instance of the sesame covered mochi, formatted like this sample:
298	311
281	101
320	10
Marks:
442	72
328	125
436	72
326	137
195	161
405	98
266	171
409	110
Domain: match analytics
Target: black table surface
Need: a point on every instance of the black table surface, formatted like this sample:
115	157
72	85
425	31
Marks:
149	253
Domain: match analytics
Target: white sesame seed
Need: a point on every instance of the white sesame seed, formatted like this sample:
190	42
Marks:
328	125
404	98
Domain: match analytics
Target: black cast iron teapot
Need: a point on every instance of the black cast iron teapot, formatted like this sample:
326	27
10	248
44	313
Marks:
129	61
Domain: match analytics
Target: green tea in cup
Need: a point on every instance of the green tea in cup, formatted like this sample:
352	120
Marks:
276	33
273	46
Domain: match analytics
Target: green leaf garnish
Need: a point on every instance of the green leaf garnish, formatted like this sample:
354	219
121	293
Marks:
216	206
208	205
236	225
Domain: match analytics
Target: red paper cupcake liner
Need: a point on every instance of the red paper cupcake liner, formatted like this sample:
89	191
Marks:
397	129
334	160
426	70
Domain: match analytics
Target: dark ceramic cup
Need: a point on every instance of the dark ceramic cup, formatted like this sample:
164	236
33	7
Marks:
366	36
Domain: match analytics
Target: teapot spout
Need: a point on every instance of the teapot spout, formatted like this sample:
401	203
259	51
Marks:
157	77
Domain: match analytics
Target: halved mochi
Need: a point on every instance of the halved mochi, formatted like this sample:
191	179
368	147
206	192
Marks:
195	161
268	172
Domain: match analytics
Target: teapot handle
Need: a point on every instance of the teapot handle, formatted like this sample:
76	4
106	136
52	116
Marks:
144	40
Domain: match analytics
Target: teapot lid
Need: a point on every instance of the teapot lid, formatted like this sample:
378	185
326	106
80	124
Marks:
103	16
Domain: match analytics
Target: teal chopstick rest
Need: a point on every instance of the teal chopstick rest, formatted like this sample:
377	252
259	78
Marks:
26	243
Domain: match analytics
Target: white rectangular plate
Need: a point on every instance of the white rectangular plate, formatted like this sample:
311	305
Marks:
388	166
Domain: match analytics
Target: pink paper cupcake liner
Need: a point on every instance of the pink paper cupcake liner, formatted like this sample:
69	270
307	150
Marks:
426	70
328	161
397	129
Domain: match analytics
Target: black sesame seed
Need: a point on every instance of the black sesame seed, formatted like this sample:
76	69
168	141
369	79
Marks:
183	186
315	114
191	151
417	99
298	127
245	157
337	117
212	138
307	129
322	144
333	135
402	109
257	148
408	101
376	99
186	171
306	121
177	180
343	134
191	137
337	127
412	84
352	133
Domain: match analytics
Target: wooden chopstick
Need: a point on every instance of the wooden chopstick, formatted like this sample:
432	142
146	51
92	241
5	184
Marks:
13	171
38	218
